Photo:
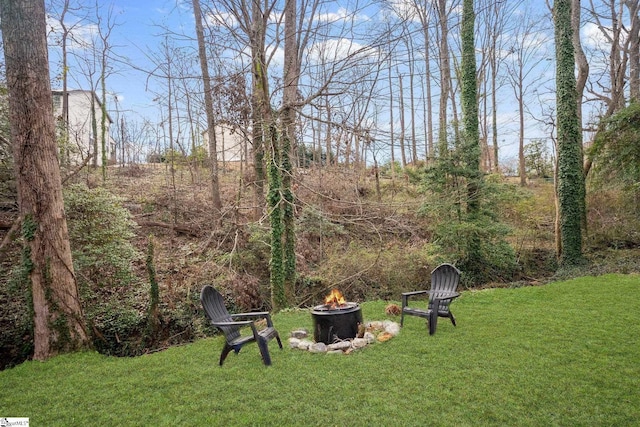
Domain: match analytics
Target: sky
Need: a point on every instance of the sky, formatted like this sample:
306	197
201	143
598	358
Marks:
137	33
139	30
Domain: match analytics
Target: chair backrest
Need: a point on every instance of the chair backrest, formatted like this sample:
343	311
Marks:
213	304
444	280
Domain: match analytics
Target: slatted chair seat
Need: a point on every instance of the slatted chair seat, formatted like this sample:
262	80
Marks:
231	325
444	284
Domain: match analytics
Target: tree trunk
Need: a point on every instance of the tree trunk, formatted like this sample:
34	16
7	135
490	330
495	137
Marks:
634	49
571	191
583	74
427	70
581	59
391	134
520	97
59	324
494	109
403	151
330	159
291	74
471	152
469	101
64	151
445	76
414	148
94	129
208	105
103	117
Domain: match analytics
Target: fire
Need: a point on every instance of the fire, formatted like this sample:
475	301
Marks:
335	299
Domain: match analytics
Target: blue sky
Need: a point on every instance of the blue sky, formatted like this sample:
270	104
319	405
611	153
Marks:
138	34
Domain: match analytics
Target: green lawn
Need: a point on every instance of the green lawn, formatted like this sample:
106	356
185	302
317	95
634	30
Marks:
562	354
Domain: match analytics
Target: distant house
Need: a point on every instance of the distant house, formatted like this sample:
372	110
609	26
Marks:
81	144
231	144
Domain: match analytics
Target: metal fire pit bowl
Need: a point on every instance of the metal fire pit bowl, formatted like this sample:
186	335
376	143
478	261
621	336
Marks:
334	324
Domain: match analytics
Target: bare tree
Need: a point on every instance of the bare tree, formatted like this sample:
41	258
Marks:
208	102
619	54
424	12
497	21
581	59
65	38
633	7
445	74
59	324
288	120
525	56
105	27
402	139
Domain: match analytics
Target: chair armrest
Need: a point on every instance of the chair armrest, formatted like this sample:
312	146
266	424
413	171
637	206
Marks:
251	314
255	315
239	323
407	295
410	294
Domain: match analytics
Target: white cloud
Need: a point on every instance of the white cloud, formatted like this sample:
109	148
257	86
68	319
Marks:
340	15
222	18
335	50
81	36
593	37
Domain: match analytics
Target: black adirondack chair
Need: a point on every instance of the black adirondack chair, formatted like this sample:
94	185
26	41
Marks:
444	284
231	324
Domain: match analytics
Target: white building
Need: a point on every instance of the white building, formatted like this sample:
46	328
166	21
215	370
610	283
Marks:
231	144
82	141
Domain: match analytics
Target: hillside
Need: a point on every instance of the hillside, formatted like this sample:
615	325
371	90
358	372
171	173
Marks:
363	236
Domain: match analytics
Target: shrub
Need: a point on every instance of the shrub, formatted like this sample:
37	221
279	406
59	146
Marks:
100	231
476	242
614	218
118	328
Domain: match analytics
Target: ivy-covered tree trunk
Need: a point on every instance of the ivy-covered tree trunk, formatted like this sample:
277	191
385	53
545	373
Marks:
59	324
288	220
571	187
266	122
471	137
274	202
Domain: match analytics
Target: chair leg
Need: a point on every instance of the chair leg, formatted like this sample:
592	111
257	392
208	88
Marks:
453	319
278	339
402	318
264	351
225	352
433	321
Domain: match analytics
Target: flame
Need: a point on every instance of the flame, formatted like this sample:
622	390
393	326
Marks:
335	299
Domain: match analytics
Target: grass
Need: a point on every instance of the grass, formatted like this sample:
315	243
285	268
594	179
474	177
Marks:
562	354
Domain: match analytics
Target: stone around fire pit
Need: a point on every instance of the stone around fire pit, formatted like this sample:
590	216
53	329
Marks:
379	331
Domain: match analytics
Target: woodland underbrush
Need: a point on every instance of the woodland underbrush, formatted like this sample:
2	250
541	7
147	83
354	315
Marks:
355	232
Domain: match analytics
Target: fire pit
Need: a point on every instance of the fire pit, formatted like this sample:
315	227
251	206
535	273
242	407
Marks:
336	319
